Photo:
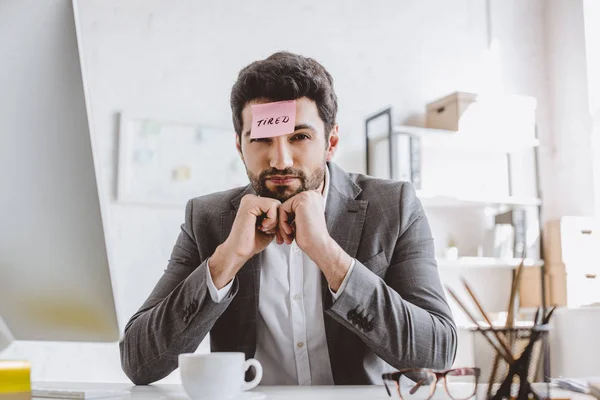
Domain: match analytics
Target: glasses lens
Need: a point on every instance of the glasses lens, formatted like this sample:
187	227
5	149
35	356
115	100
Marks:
417	385
461	383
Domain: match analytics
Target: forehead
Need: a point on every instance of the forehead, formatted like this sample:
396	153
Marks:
306	113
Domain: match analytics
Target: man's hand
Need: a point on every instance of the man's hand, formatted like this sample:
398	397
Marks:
254	228
303	217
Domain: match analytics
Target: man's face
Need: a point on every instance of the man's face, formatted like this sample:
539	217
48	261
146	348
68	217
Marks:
283	166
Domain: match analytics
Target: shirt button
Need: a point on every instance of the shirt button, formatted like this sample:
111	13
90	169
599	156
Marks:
300	345
297	297
295	248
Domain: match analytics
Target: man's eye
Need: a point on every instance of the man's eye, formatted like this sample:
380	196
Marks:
260	140
300	136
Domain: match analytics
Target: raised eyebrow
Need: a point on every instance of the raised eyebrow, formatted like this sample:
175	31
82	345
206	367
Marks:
305	126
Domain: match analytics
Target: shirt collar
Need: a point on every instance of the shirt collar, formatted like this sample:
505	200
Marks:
326	186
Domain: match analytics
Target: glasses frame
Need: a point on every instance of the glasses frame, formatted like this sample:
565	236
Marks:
439	375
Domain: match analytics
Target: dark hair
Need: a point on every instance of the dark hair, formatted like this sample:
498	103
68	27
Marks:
285	76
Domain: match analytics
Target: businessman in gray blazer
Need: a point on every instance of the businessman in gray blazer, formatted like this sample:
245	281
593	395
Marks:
324	276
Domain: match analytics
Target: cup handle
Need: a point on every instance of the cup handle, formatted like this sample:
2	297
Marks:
252	362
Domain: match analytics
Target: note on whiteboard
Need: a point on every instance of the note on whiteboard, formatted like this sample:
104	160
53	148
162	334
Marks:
273	119
167	163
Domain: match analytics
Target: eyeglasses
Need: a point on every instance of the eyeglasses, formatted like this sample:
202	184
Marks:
420	383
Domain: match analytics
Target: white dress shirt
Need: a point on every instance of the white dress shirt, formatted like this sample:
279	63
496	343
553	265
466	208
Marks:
291	343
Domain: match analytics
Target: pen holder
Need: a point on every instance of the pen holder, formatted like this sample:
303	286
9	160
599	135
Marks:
529	348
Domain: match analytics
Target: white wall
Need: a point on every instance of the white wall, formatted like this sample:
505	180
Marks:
178	61
570	118
592	47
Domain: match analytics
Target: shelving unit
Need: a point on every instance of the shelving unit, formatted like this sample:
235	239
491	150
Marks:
445	139
450	140
449	201
487	262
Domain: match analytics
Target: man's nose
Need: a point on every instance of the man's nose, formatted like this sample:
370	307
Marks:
281	154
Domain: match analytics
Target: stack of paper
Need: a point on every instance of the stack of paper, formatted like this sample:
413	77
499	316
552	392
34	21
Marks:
581	385
574	385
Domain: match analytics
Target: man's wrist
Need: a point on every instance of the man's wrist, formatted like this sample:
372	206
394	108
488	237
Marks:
224	264
334	262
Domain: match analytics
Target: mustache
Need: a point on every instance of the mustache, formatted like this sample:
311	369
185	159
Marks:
274	172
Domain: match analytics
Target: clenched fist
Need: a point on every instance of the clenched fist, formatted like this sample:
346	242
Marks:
255	226
254	212
260	219
307	211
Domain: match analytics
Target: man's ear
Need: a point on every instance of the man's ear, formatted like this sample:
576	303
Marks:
332	143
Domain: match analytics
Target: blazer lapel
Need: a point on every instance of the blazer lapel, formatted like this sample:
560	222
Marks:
345	218
246	301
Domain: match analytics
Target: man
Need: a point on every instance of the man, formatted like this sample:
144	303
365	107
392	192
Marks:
323	276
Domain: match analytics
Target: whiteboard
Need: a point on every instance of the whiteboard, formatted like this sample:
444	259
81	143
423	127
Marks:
167	163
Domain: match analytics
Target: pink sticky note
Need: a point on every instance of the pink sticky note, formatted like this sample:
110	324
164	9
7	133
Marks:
273	119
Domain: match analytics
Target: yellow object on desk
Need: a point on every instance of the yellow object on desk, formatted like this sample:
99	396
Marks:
15	377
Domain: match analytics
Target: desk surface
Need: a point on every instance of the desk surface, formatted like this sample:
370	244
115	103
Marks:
175	392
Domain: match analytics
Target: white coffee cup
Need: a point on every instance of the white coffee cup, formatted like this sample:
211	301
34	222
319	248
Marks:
217	375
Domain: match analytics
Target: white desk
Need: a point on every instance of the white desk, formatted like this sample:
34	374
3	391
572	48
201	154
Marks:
175	392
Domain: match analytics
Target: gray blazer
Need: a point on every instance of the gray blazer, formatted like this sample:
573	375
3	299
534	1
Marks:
392	314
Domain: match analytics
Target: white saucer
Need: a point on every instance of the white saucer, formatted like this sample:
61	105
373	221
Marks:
241	396
250	396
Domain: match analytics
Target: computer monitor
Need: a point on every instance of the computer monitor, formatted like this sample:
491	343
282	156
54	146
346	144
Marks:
54	275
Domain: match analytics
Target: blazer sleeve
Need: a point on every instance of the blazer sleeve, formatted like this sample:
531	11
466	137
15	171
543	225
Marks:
403	317
177	315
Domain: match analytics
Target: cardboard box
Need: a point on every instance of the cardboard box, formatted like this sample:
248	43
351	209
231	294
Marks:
445	113
530	293
530	290
574	241
496	118
564	287
581	288
556	284
572	255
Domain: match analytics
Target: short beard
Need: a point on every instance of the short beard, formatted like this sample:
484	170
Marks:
259	183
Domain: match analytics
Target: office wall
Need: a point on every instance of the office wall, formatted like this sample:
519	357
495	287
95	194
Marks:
177	61
571	122
591	11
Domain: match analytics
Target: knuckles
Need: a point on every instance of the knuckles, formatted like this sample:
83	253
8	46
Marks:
252	200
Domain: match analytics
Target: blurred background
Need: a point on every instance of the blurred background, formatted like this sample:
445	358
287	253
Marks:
507	148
